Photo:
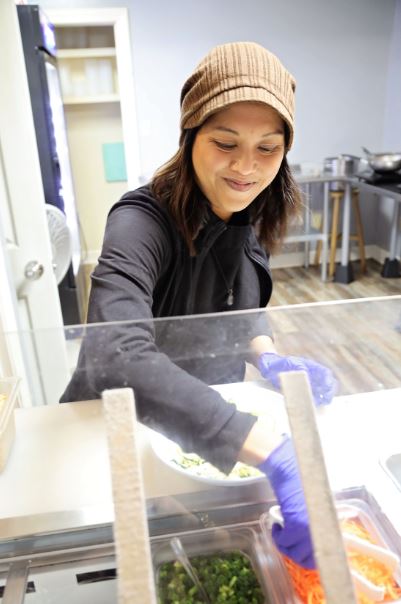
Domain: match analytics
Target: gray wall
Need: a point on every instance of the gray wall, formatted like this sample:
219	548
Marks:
392	126
392	114
337	50
346	57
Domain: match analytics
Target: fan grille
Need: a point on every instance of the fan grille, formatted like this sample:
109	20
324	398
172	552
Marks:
60	239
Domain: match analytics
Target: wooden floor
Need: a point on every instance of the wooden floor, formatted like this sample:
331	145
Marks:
360	341
298	285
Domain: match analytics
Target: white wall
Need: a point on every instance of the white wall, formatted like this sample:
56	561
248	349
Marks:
392	115
392	125
346	57
338	51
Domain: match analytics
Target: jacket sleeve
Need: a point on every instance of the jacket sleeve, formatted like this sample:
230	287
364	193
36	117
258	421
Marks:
137	249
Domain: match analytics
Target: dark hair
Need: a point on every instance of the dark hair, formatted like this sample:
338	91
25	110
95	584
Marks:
174	185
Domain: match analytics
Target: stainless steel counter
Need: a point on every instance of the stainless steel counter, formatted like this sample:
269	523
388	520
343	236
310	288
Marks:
391	267
69	559
60	545
344	273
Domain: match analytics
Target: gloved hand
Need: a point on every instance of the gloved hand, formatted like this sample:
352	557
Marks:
323	382
293	540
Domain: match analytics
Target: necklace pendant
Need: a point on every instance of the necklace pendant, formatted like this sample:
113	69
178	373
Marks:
230	297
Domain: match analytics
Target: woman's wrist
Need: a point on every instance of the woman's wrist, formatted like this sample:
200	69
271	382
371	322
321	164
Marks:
262	344
260	442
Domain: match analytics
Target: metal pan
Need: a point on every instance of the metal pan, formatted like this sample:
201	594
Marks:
383	162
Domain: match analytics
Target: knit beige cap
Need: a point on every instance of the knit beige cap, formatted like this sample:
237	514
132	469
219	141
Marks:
239	71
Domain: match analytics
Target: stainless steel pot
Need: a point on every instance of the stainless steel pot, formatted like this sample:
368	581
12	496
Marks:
341	165
383	162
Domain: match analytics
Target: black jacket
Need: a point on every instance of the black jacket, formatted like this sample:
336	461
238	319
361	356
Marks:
145	272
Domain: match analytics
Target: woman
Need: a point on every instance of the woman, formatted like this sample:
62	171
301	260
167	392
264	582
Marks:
186	244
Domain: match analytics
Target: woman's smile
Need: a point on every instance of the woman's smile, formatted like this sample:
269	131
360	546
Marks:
238	185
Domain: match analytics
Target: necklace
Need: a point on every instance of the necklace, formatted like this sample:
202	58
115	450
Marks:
230	290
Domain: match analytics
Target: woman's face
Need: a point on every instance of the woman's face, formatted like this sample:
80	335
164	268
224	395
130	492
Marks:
236	154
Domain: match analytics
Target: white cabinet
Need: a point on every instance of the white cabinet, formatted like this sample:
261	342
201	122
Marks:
88	72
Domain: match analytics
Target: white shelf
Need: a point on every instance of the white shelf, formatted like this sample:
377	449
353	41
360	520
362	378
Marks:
86	100
85	53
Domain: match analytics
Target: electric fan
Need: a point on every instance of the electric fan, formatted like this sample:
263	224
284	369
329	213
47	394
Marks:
60	239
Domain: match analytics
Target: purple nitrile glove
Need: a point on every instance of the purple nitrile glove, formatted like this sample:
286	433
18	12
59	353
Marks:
293	539
322	381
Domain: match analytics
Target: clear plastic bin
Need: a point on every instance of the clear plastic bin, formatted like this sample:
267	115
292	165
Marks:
8	388
246	539
372	520
373	524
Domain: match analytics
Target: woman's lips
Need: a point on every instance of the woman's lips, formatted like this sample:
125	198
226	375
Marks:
238	185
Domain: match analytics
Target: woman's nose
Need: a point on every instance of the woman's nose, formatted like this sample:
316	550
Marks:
244	163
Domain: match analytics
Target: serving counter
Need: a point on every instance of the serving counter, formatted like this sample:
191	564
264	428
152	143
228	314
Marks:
56	505
77	505
61	451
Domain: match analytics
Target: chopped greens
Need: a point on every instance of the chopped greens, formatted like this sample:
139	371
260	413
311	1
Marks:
227	578
196	465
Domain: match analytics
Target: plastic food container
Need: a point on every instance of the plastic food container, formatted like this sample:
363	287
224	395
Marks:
246	539
8	399
370	520
380	533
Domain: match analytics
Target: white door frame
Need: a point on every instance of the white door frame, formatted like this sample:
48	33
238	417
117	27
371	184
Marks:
11	349
119	20
29	309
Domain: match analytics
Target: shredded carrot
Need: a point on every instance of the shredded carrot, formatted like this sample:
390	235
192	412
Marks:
307	584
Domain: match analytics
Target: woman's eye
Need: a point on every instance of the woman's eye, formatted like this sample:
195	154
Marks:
224	146
268	149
